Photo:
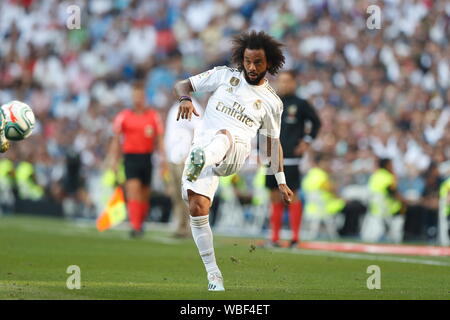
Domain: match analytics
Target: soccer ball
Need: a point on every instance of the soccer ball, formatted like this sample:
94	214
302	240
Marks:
19	120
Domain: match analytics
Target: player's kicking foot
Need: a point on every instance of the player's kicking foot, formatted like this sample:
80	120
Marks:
215	281
196	164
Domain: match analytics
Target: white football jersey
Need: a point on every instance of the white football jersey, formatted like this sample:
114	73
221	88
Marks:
238	106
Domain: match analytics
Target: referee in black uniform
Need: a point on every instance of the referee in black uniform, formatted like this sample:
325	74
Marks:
300	124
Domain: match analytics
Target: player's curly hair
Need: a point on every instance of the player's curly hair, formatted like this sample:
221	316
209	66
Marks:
258	40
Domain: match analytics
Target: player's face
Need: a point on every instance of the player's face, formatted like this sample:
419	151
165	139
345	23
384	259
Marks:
286	84
255	66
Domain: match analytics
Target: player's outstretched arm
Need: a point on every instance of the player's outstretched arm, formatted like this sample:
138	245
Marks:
183	90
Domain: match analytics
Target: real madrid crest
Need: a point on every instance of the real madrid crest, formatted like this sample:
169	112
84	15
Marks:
257	104
234	81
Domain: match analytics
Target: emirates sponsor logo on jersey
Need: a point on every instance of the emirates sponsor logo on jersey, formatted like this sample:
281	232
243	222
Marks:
237	112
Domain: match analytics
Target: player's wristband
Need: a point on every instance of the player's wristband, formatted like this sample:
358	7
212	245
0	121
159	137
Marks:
183	98
280	177
308	139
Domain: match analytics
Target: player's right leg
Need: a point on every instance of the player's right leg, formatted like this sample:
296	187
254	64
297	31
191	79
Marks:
214	152
199	206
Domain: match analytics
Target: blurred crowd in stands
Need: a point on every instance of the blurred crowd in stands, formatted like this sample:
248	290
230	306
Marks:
382	93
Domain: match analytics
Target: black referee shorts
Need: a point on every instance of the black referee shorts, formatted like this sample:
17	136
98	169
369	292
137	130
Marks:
293	177
138	166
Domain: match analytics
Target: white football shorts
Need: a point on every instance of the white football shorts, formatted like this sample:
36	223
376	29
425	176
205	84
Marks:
208	181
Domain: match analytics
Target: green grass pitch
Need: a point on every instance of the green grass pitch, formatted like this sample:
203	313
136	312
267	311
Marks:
35	253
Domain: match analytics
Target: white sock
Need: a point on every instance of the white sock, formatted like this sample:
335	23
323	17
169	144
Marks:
216	150
203	237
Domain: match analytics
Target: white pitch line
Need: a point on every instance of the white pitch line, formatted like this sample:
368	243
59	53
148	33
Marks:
362	256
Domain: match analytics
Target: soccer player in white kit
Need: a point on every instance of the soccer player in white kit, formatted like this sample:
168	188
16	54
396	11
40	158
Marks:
242	102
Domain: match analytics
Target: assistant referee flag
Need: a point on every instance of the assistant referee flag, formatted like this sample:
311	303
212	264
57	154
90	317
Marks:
114	213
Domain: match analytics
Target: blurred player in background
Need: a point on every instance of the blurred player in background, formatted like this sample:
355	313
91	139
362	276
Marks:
242	103
386	205
178	139
300	125
138	132
322	202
